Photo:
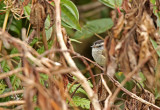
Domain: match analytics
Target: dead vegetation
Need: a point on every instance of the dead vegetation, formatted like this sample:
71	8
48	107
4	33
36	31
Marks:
129	48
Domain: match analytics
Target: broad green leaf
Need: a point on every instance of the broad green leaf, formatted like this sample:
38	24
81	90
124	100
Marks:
70	5
70	15
27	10
155	46
112	3
96	26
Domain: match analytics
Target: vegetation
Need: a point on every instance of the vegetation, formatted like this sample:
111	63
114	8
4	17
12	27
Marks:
46	62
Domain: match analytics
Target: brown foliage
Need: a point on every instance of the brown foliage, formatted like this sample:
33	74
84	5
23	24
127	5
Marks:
132	33
39	11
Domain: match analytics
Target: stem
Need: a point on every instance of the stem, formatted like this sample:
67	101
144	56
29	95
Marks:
4	25
83	81
44	39
5	20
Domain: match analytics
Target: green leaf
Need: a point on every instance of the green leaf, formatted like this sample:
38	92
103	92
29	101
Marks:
96	26
34	41
70	15
16	26
4	65
41	50
74	40
81	102
143	79
120	76
13	51
27	10
112	3
2	88
47	29
157	94
70	5
153	1
16	82
79	90
43	79
155	46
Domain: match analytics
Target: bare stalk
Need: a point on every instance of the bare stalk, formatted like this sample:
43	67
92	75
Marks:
10	103
106	106
6	74
11	93
83	81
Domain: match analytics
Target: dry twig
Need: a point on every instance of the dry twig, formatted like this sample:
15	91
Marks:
109	91
11	93
92	96
10	103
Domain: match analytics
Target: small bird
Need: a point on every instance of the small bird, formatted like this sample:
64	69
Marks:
98	52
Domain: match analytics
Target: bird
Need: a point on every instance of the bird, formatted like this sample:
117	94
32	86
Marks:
98	53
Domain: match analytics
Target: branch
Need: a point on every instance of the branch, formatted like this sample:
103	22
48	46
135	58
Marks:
10	56
10	103
83	81
11	93
6	74
106	107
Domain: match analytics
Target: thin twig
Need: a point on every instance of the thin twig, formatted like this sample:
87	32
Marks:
10	56
106	107
4	25
90	72
131	94
11	93
15	41
74	53
7	80
10	103
44	39
6	74
31	36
